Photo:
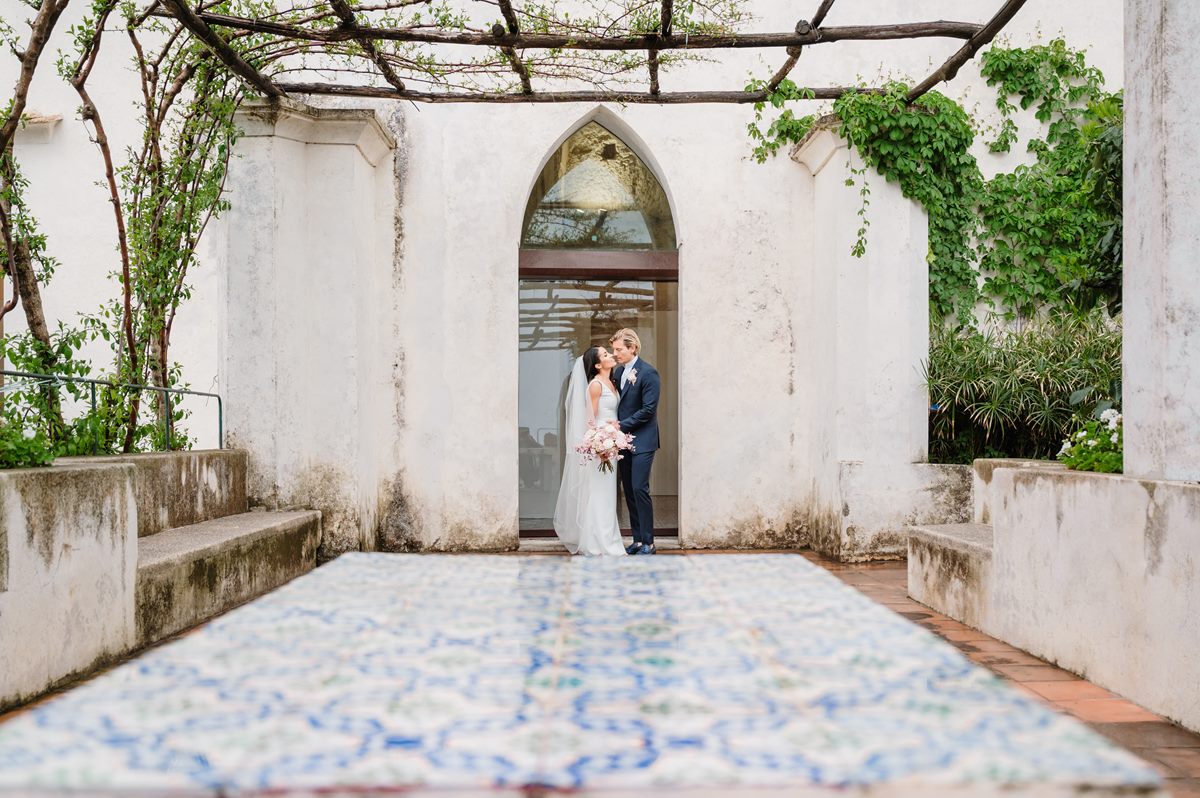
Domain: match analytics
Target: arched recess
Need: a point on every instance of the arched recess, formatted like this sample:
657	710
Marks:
599	251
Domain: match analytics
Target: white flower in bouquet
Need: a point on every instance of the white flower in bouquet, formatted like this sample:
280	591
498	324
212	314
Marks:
604	444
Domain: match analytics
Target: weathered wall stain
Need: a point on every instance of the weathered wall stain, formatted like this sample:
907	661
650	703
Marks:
324	487
175	489
803	525
50	497
3	543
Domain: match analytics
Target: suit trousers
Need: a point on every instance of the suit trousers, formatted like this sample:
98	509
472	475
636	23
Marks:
634	471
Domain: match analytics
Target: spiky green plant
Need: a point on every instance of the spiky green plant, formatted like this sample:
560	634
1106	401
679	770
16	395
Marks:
1018	393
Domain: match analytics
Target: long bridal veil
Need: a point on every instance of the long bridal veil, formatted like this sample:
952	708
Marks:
569	511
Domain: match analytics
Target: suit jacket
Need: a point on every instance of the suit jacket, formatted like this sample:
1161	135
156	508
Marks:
637	409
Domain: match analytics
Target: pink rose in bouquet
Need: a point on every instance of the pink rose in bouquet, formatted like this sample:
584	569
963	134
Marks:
605	443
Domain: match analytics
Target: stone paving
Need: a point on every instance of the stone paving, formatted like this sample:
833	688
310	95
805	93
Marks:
525	674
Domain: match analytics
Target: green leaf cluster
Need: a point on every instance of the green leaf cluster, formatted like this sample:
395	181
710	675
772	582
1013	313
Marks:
20	451
924	146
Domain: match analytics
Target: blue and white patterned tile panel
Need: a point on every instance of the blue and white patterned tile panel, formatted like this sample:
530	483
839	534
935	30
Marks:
461	673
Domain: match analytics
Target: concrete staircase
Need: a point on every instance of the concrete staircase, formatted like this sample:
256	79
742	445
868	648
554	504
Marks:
200	550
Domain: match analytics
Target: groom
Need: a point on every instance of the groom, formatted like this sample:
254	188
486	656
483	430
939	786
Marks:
638	415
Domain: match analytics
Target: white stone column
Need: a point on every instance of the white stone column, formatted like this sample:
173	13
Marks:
299	264
878	305
875	310
1161	346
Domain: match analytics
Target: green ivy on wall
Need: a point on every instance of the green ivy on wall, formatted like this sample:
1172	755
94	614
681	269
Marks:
1043	236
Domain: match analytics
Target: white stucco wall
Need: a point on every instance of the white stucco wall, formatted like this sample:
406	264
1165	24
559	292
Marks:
389	397
304	274
745	316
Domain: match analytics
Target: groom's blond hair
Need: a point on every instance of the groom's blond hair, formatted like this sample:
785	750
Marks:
629	338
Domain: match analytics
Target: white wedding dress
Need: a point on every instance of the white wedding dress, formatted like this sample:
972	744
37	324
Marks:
585	517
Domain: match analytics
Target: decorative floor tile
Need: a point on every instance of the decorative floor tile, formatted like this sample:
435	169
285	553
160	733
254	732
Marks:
484	673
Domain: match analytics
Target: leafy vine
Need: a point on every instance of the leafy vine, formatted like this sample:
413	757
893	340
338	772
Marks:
1043	236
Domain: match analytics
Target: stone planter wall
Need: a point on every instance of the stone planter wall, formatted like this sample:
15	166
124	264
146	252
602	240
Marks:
68	568
881	501
1101	575
180	488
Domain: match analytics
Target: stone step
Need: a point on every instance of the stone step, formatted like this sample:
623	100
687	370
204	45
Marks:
950	569
544	545
189	574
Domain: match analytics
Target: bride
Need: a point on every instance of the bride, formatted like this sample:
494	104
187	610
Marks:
585	517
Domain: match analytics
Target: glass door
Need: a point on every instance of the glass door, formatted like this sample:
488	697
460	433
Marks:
559	320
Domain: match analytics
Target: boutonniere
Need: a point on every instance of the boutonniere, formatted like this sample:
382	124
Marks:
632	376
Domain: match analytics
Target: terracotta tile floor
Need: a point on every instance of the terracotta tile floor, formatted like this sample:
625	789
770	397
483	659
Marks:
1171	749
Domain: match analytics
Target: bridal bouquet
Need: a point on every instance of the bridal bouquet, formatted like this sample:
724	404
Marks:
605	443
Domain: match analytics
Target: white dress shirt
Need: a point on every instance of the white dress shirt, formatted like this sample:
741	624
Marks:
625	372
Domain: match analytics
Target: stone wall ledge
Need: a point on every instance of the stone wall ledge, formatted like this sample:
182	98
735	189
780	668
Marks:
176	489
973	539
68	562
981	481
949	569
70	586
188	575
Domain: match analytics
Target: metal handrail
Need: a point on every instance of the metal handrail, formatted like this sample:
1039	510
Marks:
166	392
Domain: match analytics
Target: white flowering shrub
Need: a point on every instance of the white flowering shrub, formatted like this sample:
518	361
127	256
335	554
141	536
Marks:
1097	446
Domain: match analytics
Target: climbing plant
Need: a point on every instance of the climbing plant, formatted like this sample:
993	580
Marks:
164	193
1024	241
1042	221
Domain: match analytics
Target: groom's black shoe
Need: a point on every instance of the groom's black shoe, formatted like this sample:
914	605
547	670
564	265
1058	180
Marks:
646	549
632	548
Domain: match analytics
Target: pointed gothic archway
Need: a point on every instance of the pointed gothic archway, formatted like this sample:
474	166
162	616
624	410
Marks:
599	251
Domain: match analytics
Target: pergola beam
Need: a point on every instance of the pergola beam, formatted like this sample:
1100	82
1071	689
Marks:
509	39
663	98
200	29
649	41
350	23
803	26
986	33
822	12
514	60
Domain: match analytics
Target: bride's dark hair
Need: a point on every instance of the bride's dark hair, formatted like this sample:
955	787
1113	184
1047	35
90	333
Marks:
591	363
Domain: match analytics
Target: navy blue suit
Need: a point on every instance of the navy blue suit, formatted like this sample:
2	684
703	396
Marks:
637	413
